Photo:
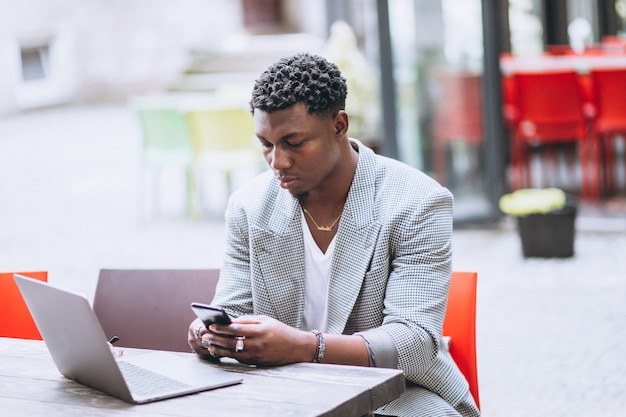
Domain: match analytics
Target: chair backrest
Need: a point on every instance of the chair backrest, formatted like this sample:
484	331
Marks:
164	132
460	325
550	105
15	319
609	100
458	108
150	309
221	129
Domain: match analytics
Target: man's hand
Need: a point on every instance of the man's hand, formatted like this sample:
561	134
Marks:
196	341
260	340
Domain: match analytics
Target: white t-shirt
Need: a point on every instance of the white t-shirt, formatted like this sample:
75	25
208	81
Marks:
317	275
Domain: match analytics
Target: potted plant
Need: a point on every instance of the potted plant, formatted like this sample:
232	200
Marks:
545	221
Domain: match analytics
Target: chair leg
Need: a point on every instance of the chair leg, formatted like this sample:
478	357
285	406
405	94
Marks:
142	194
585	180
526	165
156	197
517	160
571	157
193	210
608	163
440	160
615	162
229	182
550	165
591	169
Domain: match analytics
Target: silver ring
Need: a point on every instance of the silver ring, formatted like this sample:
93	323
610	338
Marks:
196	332
239	345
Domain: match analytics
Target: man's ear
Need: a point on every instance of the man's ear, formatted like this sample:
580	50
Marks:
341	123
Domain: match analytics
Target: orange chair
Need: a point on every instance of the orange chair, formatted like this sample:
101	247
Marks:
15	319
458	115
609	122
460	325
548	110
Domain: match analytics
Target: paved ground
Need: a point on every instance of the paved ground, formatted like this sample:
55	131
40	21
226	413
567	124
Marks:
550	332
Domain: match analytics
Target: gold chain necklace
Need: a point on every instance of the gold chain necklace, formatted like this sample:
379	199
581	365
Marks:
322	228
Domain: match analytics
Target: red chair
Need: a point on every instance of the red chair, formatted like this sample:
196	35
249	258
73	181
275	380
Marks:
458	114
613	44
15	319
460	325
609	122
565	50
548	109
559	50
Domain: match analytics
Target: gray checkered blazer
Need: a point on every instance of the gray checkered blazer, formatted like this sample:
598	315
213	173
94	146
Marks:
389	275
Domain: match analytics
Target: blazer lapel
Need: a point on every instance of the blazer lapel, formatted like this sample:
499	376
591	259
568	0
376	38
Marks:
356	240
279	250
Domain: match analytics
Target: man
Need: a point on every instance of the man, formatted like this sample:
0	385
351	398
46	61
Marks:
336	254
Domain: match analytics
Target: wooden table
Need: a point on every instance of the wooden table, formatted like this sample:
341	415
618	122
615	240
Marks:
31	385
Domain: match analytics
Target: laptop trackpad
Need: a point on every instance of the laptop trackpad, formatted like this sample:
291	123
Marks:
185	367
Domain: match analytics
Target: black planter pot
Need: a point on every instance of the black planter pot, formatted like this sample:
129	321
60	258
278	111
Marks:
549	235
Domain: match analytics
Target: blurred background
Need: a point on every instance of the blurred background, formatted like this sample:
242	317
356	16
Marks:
428	79
124	126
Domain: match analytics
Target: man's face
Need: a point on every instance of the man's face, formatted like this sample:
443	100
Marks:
302	149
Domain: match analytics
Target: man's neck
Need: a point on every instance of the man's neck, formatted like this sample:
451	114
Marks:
337	187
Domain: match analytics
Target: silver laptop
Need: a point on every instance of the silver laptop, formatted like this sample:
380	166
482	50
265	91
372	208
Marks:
81	352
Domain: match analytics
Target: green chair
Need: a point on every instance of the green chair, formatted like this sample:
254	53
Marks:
166	143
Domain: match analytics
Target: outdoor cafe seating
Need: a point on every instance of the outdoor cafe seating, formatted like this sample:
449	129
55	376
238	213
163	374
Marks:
458	116
609	127
125	309
574	101
119	291
199	136
547	111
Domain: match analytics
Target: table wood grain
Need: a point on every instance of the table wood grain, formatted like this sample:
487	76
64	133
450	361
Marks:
30	384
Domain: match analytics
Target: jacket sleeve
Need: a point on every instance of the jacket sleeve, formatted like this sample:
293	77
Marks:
417	288
234	290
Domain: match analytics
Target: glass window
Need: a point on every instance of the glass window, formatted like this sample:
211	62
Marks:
438	59
34	63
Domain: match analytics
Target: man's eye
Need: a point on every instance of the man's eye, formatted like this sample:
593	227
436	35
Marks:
295	144
266	145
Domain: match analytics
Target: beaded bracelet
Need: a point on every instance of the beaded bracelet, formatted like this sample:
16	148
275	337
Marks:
321	346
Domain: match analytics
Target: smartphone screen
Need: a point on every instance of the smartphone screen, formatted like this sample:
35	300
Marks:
210	314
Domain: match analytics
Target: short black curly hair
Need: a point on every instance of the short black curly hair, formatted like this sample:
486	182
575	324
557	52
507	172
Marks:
301	78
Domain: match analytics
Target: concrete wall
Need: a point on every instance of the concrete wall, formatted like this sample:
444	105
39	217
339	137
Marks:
104	49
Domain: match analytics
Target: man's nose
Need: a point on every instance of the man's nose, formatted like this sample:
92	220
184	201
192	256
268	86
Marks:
279	159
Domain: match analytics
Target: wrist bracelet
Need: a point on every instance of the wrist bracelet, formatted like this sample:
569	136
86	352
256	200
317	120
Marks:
321	346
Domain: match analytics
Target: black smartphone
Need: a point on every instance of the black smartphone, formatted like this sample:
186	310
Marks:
210	314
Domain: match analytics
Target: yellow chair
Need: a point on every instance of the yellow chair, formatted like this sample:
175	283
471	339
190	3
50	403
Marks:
222	139
166	143
15	319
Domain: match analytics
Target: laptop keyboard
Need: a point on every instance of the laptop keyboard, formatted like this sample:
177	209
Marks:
143	382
